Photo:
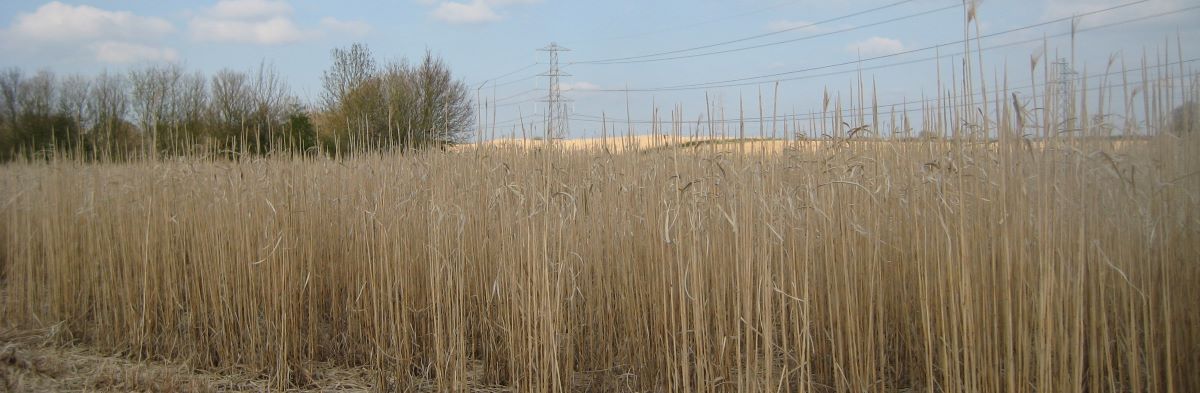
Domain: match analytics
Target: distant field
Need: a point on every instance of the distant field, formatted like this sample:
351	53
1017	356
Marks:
624	143
646	143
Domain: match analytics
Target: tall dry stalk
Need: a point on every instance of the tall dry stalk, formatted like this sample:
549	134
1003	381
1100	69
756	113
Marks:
992	262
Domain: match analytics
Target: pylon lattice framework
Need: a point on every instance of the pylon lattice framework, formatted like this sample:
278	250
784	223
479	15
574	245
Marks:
1066	89
556	107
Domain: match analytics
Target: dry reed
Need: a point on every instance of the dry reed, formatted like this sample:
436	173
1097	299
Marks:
988	262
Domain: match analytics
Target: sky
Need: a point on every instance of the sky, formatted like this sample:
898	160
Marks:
641	45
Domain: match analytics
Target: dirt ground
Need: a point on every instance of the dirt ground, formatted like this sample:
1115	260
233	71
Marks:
30	362
33	361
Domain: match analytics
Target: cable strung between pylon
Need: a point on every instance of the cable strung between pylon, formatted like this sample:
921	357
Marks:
789	41
734	41
595	119
731	82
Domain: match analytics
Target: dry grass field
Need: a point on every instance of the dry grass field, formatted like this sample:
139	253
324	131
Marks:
1020	253
860	266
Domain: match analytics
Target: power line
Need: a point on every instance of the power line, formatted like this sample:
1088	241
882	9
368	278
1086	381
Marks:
622	59
733	82
527	77
582	117
514	96
596	119
719	84
523	79
812	116
789	41
709	21
530	118
991	35
502	76
530	101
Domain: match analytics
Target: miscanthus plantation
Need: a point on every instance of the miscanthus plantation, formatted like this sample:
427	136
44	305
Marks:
1015	246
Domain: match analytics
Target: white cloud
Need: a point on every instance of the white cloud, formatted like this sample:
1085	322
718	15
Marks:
62	23
62	31
263	22
249	9
270	31
472	11
124	52
776	26
579	86
351	27
876	46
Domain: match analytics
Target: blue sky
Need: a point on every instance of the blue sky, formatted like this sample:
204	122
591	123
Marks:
484	39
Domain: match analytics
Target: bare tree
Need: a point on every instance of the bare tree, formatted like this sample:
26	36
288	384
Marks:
152	91
36	95
73	93
272	97
400	105
191	104
38	126
109	103
424	104
10	85
445	113
232	101
352	67
352	95
400	100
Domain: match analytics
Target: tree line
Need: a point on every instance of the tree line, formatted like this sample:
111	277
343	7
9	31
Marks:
167	110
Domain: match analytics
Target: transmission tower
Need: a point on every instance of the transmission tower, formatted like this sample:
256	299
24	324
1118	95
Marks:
1066	91
556	106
